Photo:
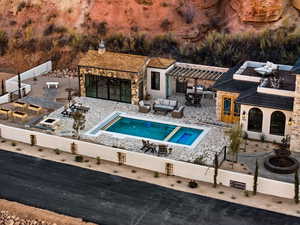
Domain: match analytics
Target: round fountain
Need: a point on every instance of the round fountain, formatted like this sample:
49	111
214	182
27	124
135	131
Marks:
281	162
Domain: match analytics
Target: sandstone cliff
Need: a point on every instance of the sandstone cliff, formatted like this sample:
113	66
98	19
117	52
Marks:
259	10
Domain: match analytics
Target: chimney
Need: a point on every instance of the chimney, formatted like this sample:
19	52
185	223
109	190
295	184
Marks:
101	48
295	127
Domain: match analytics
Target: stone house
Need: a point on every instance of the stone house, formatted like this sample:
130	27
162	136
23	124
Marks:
132	78
265	105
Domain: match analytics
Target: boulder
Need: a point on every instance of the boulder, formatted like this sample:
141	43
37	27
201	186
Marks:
296	4
259	10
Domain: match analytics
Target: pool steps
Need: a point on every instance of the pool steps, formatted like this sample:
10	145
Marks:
108	125
171	134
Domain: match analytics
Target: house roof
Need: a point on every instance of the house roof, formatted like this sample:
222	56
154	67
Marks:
296	67
114	61
227	83
251	97
184	70
161	63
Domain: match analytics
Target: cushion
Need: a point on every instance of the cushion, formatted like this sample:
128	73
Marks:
166	102
164	107
173	103
142	103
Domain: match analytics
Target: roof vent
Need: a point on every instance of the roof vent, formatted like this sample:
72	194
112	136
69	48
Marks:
101	48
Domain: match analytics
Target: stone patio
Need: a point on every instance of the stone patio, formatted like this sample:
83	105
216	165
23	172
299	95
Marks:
204	116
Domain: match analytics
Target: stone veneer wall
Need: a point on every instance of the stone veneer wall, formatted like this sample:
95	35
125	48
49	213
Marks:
219	102
295	134
134	77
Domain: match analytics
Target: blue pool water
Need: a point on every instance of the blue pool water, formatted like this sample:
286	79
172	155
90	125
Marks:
154	130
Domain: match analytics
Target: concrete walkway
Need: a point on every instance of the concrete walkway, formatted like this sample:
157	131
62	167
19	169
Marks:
110	200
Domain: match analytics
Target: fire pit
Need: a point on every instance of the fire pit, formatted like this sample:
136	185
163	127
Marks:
281	162
50	122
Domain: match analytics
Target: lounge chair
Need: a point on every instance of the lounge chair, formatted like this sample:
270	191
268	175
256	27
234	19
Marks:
178	113
162	150
145	145
144	108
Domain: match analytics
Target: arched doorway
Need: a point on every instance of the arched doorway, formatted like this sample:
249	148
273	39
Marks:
278	121
255	120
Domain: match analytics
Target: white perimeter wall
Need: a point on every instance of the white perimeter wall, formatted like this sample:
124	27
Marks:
11	84
267	112
140	160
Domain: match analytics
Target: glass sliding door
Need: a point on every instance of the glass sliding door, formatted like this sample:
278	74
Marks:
91	86
114	90
102	89
126	91
108	88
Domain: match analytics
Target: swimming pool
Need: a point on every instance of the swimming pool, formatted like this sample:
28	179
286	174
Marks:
149	129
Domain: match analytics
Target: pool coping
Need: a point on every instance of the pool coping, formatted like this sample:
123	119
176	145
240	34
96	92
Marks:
114	114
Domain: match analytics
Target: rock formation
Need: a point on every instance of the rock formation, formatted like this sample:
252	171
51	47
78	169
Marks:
204	4
296	4
259	10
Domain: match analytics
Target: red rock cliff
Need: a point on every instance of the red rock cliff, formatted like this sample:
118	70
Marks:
259	10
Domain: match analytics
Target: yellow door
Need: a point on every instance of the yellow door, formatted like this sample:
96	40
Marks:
230	110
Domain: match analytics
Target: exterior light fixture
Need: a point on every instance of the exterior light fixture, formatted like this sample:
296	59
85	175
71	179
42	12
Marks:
290	122
244	115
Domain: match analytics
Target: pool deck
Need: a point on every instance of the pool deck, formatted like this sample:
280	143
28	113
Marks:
212	143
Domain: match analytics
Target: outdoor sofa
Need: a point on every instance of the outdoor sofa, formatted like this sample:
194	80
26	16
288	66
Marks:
164	105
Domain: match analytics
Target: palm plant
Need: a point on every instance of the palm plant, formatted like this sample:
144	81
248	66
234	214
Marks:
235	136
79	122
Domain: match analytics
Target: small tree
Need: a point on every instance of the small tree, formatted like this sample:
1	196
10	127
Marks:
235	136
296	187
79	122
216	165
255	178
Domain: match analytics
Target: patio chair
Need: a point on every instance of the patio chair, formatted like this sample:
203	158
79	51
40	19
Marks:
145	145
162	150
144	108
178	113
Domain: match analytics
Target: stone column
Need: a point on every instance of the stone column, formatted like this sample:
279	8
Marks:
295	129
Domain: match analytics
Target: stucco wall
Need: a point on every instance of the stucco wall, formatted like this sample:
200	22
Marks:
267	112
162	92
295	137
140	160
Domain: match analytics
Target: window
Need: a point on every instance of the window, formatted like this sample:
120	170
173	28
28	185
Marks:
227	106
155	80
277	126
237	109
255	119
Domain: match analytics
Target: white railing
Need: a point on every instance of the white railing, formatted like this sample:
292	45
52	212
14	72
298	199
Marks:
148	162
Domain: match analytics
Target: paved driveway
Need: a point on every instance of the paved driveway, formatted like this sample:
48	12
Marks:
110	200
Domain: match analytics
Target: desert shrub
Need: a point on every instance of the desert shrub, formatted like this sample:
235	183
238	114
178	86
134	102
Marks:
13	144
57	151
27	23
164	44
12	23
51	29
101	28
262	138
21	6
144	2
193	184
165	24
79	158
246	193
29	45
3	42
46	44
156	174
187	11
